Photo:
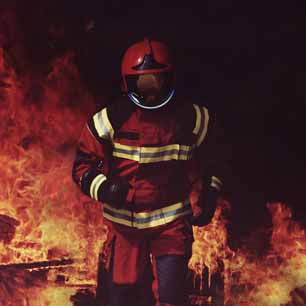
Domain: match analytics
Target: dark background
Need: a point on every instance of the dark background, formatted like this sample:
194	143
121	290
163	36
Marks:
243	59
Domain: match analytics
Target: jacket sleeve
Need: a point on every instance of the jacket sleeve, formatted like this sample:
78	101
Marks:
209	152
93	152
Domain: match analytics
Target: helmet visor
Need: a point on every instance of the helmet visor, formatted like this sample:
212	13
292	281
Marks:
150	90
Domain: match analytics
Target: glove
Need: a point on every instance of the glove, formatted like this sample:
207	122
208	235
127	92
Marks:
113	191
208	204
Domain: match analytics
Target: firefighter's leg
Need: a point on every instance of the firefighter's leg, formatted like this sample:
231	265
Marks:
171	249
144	294
102	292
171	273
128	287
103	281
138	294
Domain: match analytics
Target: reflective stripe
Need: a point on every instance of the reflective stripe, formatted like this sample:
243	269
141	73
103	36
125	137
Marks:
95	184
147	219
127	152
103	125
201	126
133	97
153	154
198	119
203	132
216	183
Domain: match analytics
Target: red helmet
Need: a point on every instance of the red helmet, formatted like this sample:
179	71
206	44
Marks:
148	74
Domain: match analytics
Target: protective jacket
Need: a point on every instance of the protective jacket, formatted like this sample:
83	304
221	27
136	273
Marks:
158	152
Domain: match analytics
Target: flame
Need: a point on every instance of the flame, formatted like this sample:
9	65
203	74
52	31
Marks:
271	280
210	246
276	279
19	288
44	216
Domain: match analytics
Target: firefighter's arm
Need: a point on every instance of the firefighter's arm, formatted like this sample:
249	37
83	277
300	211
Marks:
209	165
91	164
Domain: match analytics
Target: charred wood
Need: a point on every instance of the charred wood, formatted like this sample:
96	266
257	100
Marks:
49	264
7	228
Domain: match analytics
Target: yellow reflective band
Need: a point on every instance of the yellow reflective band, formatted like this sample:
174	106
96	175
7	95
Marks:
127	152
118	210
216	183
144	220
204	131
153	154
103	125
162	158
161	221
164	148
126	156
117	220
107	123
95	184
144	215
118	145
198	119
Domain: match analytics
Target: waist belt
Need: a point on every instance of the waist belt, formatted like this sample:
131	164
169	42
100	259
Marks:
143	220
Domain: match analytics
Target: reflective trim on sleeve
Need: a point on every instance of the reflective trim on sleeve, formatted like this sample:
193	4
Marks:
142	220
201	126
216	183
153	154
203	132
95	184
198	119
103	125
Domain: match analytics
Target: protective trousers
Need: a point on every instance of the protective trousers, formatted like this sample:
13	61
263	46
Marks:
149	267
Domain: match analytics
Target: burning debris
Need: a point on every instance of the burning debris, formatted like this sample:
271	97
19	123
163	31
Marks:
275	278
7	228
50	235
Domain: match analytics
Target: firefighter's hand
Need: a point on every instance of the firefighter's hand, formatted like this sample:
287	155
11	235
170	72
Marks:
114	192
208	204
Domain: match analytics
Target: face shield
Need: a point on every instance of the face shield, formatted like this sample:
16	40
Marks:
150	90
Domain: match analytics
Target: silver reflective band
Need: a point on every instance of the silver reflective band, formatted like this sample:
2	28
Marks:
216	183
134	99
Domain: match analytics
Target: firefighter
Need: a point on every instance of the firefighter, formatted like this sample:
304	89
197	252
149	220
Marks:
141	157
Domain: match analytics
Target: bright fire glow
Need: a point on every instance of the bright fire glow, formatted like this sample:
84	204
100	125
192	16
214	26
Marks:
44	216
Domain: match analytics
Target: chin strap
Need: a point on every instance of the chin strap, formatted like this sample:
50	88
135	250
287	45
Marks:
133	97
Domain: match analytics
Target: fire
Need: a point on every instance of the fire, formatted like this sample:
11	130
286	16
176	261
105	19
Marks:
210	244
18	288
273	279
51	235
43	217
276	279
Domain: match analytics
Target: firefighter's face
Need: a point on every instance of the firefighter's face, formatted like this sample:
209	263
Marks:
150	87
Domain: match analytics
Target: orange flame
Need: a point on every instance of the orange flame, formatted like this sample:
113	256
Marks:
270	281
40	121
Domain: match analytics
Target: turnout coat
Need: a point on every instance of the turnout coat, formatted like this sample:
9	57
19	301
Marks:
163	154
